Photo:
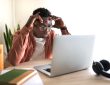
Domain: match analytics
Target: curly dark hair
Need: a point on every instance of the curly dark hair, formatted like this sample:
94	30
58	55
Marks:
43	12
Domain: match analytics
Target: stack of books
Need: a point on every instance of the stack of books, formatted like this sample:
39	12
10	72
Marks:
16	76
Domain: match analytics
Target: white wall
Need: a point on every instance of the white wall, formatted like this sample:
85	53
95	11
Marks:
5	18
24	8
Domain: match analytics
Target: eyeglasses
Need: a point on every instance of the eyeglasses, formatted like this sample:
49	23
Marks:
43	27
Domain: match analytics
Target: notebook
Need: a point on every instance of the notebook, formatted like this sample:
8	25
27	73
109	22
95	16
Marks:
71	53
16	76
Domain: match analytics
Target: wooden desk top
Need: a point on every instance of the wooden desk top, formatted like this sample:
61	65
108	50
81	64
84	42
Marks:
85	77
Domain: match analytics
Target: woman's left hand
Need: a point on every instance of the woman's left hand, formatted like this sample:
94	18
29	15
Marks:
58	22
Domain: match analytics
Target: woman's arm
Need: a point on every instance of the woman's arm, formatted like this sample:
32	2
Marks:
60	25
19	45
20	42
64	31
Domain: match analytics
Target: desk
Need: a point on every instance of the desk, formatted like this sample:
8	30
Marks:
85	77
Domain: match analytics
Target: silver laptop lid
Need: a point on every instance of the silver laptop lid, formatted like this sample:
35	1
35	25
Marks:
71	53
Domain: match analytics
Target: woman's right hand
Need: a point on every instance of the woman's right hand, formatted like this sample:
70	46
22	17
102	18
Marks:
32	19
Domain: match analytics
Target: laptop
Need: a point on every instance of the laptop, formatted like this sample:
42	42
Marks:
71	53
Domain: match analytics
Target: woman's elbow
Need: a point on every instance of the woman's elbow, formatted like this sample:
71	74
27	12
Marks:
14	62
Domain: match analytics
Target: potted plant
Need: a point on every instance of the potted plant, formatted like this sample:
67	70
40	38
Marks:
8	36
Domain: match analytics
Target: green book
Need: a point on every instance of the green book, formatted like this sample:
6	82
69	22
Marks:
16	76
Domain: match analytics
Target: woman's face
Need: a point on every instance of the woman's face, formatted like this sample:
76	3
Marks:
41	30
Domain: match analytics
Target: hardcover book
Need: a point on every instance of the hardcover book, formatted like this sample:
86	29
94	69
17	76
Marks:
16	76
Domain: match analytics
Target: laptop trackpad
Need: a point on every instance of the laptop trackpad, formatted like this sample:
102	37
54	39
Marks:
44	68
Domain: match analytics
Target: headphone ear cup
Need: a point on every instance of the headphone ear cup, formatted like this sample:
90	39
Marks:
106	64
97	68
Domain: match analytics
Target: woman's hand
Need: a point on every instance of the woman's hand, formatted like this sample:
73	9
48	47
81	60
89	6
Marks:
58	22
32	19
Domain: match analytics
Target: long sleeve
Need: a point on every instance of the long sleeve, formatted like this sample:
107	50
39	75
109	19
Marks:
19	45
